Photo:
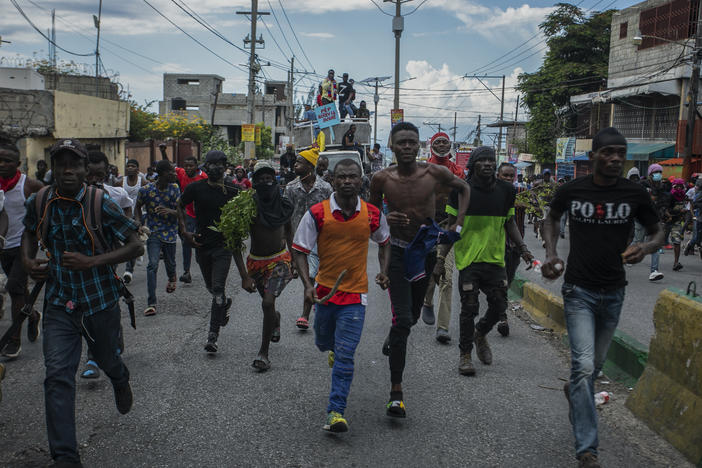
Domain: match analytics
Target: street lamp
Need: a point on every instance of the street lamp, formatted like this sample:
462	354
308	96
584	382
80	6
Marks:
376	99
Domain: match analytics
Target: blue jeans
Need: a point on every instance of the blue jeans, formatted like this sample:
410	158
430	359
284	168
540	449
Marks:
639	237
190	226
154	247
63	340
591	317
338	328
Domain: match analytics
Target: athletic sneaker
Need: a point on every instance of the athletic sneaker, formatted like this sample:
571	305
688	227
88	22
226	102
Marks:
442	336
12	349
330	359
677	267
211	346
33	326
396	409
335	423
386	346
186	278
655	276
127	277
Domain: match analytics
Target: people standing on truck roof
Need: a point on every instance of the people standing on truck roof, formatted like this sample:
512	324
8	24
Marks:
349	105
362	112
344	89
329	89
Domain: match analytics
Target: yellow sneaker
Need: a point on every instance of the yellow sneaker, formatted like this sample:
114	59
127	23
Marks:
335	423
330	359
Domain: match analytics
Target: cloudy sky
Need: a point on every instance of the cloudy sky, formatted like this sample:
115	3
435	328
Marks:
443	40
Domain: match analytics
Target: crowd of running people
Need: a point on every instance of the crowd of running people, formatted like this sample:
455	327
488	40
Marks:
430	220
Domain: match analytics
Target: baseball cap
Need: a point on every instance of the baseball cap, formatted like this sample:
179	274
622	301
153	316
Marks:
70	144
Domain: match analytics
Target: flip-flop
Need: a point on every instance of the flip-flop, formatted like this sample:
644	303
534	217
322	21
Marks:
171	286
302	323
275	336
91	371
149	311
261	364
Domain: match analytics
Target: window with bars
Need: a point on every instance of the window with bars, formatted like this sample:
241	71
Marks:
672	21
647	117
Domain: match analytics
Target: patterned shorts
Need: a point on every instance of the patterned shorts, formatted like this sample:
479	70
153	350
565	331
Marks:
677	232
271	274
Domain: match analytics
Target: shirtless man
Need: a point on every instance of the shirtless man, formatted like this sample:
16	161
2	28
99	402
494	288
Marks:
409	189
269	266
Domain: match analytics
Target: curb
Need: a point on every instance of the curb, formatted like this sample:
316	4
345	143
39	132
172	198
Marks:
626	358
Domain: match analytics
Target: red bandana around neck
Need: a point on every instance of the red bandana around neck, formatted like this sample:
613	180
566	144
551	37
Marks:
7	184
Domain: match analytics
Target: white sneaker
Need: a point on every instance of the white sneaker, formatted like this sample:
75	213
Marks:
127	277
655	276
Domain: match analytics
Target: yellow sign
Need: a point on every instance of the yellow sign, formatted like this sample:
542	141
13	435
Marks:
258	136
247	132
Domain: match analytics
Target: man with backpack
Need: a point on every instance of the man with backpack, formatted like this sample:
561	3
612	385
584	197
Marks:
75	224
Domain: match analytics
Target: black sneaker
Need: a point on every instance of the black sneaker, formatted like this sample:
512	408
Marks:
123	398
211	346
12	349
186	278
33	326
503	328
442	336
227	306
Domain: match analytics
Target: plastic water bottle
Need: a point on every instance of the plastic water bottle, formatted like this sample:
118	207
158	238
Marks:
536	266
601	398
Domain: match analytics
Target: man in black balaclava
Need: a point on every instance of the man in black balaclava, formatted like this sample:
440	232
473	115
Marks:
268	268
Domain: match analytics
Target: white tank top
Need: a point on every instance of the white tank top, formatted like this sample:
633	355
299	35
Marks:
14	207
132	190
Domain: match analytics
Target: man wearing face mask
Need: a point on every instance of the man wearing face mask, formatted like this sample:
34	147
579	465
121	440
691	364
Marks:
268	268
662	201
678	219
440	146
209	196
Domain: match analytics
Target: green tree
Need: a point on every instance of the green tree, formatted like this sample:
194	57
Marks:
140	121
265	150
576	63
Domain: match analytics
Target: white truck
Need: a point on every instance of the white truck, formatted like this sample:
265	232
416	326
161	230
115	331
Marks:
304	137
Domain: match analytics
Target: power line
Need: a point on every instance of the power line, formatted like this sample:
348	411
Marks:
275	17
417	8
381	10
21	12
191	37
295	35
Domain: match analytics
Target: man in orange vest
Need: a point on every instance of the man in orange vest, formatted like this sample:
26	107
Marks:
341	227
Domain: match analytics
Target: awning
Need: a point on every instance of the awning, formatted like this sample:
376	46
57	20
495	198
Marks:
676	161
669	87
646	151
581	157
522	165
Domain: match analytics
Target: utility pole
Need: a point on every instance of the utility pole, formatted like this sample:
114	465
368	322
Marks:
398	25
376	100
693	92
96	20
478	131
455	116
291	82
516	114
502	116
253	69
52	36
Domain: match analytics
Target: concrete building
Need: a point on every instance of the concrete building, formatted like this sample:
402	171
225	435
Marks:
648	80
40	117
201	96
28	78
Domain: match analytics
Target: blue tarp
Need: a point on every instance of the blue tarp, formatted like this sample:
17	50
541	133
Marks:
522	164
646	151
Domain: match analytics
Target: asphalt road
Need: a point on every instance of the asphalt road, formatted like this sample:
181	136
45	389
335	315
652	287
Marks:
192	409
641	294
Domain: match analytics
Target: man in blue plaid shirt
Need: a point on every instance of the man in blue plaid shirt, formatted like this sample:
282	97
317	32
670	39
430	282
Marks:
82	290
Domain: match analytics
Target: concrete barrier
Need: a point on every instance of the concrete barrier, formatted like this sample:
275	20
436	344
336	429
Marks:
668	395
544	307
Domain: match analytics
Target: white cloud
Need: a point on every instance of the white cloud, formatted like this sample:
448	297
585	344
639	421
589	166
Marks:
318	35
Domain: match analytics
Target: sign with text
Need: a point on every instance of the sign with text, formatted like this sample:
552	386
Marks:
247	132
397	116
327	115
258	135
462	157
565	149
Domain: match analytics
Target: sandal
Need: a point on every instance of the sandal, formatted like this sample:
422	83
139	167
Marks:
149	311
171	286
302	323
91	370
261	364
275	336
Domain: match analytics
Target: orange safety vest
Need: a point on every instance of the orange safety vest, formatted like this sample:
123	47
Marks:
343	245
